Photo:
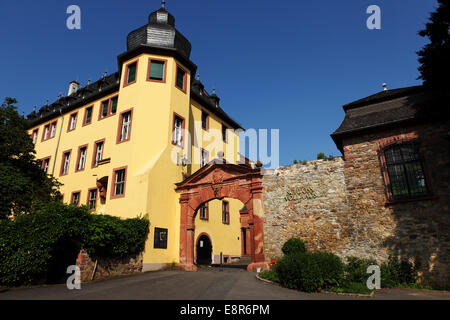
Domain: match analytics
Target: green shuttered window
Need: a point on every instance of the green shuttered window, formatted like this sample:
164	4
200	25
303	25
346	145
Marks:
157	70
131	72
180	78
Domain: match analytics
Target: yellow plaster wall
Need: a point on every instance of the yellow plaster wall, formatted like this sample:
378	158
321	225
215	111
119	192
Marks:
148	155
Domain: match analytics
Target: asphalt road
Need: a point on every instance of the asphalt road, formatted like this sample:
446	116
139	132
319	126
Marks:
207	284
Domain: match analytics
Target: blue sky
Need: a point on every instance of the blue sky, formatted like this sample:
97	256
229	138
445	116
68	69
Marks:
288	65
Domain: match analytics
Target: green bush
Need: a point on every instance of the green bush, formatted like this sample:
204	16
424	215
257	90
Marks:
269	275
321	156
331	269
29	243
299	271
352	287
26	244
396	272
110	236
356	269
293	245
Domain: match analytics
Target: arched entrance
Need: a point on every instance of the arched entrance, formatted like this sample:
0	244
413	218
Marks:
217	181
203	249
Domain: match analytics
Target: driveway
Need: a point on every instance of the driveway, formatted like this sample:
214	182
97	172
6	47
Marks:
207	284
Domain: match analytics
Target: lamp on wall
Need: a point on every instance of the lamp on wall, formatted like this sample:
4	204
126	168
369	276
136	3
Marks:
181	160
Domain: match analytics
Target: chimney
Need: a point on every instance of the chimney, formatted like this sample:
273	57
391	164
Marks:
73	87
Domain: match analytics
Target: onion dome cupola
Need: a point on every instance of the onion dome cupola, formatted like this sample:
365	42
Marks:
160	32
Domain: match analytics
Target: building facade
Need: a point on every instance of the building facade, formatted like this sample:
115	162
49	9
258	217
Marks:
120	144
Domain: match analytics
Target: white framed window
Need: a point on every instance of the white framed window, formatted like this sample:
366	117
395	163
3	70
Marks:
52	129
66	163
35	134
73	121
76	198
46	131
126	123
92	199
45	165
120	182
177	137
98	152
82	159
203	157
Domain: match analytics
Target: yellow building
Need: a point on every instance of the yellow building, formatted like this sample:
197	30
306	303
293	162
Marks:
120	144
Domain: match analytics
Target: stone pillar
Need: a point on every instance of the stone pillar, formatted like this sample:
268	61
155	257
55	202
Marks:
257	228
187	230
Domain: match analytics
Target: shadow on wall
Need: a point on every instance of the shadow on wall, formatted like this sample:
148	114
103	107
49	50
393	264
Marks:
422	228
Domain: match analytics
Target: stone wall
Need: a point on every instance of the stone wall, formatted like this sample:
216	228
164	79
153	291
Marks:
308	202
341	206
107	267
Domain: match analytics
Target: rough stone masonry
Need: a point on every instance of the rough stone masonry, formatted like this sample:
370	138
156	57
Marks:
320	203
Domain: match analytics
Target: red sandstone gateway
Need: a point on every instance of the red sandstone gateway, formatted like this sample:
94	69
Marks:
217	181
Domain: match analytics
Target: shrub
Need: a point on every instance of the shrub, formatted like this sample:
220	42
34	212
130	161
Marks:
321	156
356	269
305	162
396	272
295	161
269	275
293	245
331	269
28	244
299	271
110	236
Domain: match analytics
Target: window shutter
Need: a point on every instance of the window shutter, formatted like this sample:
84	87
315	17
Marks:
157	70
131	73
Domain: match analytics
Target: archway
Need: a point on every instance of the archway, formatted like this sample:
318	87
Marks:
203	250
217	181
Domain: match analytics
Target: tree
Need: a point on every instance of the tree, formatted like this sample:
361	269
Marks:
434	57
23	183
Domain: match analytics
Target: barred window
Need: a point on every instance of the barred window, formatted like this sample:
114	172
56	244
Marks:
405	171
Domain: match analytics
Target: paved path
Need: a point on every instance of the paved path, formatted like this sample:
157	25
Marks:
211	284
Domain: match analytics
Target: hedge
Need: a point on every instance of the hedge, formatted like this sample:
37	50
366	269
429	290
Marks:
315	271
28	243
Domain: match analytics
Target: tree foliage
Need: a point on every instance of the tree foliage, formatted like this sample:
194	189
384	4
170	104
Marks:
434	57
23	184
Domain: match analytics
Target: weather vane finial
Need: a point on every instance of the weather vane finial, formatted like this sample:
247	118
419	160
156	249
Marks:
163	4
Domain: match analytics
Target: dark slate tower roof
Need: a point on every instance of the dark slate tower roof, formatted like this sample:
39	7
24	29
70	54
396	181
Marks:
160	32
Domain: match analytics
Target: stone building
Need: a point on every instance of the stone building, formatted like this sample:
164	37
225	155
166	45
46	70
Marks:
390	193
